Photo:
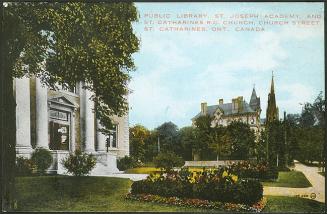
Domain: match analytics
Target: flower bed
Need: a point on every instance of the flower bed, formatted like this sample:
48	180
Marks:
198	203
212	185
246	169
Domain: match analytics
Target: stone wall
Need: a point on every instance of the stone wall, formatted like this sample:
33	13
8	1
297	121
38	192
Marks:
209	163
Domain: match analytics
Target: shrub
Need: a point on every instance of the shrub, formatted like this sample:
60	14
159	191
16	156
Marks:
126	163
42	159
79	163
167	161
209	185
24	166
245	169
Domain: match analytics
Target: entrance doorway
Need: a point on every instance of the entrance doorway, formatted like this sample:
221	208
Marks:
59	136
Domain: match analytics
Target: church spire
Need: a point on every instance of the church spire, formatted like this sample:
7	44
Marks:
272	88
272	109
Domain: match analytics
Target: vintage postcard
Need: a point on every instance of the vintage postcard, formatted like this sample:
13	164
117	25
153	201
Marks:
163	107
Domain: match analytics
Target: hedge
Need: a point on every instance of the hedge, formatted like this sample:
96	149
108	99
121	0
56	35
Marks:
207	185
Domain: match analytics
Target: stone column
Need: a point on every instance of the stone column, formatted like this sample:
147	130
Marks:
101	139
41	97
23	118
72	132
88	120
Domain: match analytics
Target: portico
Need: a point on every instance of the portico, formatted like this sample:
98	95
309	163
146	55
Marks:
63	121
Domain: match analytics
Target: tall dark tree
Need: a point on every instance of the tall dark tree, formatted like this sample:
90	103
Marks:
167	134
203	132
187	139
66	43
242	138
276	144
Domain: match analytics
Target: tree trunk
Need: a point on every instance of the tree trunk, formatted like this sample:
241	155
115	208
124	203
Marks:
8	132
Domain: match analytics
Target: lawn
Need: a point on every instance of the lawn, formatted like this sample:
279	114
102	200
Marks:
322	173
63	193
290	179
142	170
282	204
148	170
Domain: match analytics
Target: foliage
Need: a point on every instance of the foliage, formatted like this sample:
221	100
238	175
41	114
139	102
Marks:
138	137
305	132
167	134
168	160
79	163
72	42
210	185
24	166
246	169
276	143
242	139
42	159
186	139
127	163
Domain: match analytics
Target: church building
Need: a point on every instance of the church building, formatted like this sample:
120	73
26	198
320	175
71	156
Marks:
63	121
240	110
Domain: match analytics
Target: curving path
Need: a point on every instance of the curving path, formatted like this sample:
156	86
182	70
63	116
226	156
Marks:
316	192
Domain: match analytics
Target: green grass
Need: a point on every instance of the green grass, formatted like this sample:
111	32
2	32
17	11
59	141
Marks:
63	193
322	173
283	204
142	170
52	193
293	179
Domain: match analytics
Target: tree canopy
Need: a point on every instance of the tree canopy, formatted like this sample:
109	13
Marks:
70	42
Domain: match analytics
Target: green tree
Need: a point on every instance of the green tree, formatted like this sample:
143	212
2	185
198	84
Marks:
167	133
276	144
211	141
261	147
66	43
151	146
168	160
242	139
220	142
138	136
203	131
187	139
306	132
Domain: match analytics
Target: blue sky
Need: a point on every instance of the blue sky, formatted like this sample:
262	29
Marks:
176	71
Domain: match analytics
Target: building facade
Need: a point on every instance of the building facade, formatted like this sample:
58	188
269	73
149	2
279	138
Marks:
63	121
238	110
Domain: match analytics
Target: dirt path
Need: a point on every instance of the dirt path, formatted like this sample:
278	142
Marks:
316	192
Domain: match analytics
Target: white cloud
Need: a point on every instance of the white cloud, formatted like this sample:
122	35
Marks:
296	94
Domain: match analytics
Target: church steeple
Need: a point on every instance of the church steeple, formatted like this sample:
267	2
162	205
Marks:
272	109
272	88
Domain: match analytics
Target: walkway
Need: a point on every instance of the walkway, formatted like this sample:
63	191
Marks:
316	192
